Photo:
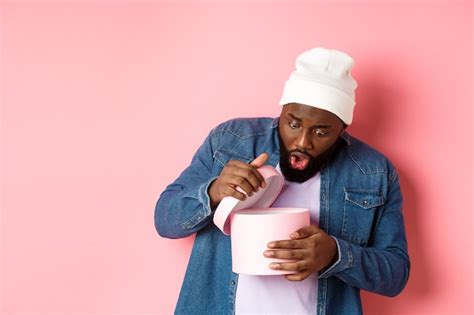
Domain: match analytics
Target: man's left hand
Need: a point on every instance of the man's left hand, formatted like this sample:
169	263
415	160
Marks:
310	247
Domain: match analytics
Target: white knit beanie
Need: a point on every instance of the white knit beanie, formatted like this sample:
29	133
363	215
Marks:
323	79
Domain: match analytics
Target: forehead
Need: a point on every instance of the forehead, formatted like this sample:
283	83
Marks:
309	114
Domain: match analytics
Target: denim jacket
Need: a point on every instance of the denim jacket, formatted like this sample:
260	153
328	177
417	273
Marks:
360	207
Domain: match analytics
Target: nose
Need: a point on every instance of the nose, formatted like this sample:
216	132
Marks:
303	142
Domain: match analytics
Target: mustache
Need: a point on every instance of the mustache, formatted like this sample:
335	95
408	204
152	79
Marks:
300	152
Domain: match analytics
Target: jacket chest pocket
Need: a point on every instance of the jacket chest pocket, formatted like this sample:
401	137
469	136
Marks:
359	212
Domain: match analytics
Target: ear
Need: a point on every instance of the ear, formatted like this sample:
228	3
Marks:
342	130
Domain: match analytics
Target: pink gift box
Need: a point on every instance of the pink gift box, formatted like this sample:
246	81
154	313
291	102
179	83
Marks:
252	224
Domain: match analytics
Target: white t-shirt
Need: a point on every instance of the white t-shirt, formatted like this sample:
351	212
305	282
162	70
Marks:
275	294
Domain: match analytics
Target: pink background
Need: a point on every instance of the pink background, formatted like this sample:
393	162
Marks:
104	103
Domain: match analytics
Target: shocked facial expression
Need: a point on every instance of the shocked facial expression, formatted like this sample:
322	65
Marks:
308	135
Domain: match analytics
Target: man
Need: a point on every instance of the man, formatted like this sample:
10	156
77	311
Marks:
356	239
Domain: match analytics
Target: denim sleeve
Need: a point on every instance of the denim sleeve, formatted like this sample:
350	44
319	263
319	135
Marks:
183	208
384	266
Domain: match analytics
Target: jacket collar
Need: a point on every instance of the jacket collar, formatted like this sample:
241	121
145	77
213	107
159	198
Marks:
346	136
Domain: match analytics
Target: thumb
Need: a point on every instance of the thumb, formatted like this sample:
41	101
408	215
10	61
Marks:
260	160
304	232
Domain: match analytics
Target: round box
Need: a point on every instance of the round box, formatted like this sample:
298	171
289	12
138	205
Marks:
253	229
252	224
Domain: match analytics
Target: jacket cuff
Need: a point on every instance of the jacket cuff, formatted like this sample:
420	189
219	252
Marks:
203	196
205	210
344	261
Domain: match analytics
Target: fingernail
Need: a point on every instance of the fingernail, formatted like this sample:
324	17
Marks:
268	253
274	266
264	184
294	235
271	245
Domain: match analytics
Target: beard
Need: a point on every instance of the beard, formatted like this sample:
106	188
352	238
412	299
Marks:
314	165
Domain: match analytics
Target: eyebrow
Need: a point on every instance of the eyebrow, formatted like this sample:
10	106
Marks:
313	126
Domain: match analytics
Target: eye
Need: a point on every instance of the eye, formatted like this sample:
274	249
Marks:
320	132
293	124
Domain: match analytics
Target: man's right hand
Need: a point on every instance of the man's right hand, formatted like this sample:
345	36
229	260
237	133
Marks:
238	174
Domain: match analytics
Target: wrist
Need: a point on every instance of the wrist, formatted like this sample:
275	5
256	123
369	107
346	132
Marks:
210	192
335	255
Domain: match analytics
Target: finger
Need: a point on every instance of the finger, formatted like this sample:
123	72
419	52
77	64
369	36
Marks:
242	182
256	178
286	254
260	160
230	191
242	185
304	232
263	184
300	276
299	265
247	172
291	244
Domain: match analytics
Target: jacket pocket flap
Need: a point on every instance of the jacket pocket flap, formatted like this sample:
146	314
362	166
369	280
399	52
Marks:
364	198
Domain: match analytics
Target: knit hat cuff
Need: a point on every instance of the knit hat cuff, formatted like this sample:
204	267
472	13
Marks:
318	95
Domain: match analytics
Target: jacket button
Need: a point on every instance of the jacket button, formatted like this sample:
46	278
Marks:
233	282
365	202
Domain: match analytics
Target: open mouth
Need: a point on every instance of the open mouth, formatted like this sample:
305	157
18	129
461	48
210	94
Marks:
299	160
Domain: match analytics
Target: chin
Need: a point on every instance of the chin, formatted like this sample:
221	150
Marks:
299	176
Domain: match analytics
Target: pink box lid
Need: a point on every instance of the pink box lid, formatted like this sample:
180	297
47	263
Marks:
263	198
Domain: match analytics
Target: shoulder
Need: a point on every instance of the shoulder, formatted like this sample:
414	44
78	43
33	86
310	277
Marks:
245	127
242	138
368	159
